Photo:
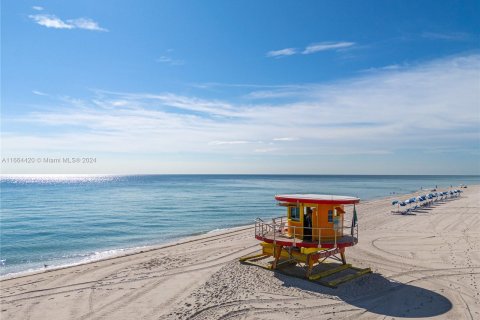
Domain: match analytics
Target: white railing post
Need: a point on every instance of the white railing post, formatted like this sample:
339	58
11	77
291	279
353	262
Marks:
335	239
319	237
294	235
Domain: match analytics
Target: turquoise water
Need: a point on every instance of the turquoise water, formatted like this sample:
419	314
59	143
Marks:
59	220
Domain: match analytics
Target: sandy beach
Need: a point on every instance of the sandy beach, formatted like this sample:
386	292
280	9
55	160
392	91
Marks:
425	266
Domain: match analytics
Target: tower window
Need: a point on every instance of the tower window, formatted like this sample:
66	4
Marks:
295	213
330	215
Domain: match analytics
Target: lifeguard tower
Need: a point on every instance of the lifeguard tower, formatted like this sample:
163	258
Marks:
314	229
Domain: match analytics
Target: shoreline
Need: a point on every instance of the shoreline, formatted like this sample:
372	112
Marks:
126	252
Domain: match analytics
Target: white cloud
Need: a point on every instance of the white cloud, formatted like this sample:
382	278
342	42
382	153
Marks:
86	23
433	106
187	104
170	61
266	150
37	8
272	94
392	67
218	143
39	93
447	36
313	48
324	46
282	52
52	21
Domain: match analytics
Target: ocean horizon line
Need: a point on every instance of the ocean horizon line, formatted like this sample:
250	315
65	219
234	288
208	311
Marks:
238	174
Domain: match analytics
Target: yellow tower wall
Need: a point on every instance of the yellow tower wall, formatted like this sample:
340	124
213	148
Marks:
320	224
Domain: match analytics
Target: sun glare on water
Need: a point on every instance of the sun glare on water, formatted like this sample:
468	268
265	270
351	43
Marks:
56	178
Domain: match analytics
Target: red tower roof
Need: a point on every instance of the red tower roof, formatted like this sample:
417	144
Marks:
316	198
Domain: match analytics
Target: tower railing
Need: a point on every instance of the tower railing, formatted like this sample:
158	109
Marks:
278	229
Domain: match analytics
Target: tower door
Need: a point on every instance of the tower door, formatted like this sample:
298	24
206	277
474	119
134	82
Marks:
307	224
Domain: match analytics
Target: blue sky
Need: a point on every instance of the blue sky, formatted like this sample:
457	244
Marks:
313	87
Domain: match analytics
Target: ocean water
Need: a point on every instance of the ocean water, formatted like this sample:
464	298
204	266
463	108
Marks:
58	220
